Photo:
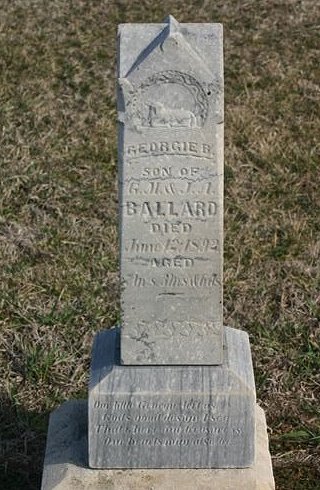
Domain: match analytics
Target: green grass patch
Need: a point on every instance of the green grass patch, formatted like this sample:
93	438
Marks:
59	223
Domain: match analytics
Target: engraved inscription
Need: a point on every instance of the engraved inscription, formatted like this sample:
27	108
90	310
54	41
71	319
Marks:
165	209
179	262
156	148
171	280
176	245
148	422
170	228
167	442
175	188
169	172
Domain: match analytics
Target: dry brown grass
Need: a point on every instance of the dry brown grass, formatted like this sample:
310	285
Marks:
58	205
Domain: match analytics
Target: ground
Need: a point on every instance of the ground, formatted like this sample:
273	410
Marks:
58	210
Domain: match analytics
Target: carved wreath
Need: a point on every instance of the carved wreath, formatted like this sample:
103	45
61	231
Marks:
173	76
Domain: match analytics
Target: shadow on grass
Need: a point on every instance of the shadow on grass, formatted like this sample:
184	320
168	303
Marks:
305	476
22	446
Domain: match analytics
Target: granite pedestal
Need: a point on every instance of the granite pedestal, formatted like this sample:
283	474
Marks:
171	416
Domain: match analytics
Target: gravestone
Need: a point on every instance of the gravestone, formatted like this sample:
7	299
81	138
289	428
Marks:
171	388
170	104
171	393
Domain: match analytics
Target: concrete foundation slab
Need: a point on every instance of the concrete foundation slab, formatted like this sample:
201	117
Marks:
66	462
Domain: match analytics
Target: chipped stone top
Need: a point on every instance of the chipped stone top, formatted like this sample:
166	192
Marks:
107	372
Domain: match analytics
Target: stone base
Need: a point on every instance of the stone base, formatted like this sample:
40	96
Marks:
171	416
66	462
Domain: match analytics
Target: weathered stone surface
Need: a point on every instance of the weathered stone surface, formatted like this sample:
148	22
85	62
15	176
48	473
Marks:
170	105
66	462
171	416
179	394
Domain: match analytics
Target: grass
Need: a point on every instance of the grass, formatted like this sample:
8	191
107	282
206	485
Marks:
58	211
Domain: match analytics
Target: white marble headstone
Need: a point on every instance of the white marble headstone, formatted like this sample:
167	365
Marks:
170	105
170	388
